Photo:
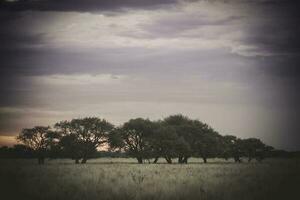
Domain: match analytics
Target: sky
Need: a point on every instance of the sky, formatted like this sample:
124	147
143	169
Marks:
232	64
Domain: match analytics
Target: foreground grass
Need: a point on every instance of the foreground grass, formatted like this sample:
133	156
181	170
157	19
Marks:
123	179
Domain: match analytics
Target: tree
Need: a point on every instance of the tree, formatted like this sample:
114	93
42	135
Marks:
181	124
195	138
17	151
71	145
134	138
255	148
207	142
263	153
251	146
231	146
237	149
164	143
227	146
39	139
81	137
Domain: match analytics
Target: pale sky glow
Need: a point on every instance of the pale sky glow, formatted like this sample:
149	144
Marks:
198	25
217	61
57	80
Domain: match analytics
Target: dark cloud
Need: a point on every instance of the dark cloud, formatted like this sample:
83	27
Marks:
277	31
81	5
273	27
175	26
15	46
14	40
276	28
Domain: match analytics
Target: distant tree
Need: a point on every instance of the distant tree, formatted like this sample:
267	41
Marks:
251	146
4	152
70	144
39	139
164	143
72	147
263	153
231	146
183	149
238	150
80	138
227	146
22	151
176	136
195	138
207	142
181	124
115	140
134	138
17	151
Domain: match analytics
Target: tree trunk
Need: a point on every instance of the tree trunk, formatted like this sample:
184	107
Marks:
41	160
185	159
204	159
180	159
83	160
249	159
156	159
169	160
237	159
140	160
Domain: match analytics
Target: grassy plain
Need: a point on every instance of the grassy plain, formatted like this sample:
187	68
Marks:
124	179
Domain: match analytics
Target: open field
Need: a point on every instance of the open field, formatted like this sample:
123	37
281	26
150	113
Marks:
124	179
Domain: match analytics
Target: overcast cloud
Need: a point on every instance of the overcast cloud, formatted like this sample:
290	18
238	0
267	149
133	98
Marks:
232	64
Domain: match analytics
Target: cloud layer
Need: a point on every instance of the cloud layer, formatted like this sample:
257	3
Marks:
233	64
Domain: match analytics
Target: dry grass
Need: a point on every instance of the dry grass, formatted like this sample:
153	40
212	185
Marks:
124	179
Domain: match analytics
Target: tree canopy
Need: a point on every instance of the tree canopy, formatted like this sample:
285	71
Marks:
39	139
80	138
175	136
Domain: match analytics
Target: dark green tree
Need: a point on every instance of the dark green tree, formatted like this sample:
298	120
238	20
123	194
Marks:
39	139
231	146
70	143
80	138
263	153
181	125
134	138
164	143
227	146
195	138
251	146
238	150
207	142
255	148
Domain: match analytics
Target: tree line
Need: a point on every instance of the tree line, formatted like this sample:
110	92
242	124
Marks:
175	137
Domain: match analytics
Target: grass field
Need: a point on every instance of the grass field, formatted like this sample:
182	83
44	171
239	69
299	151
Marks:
124	179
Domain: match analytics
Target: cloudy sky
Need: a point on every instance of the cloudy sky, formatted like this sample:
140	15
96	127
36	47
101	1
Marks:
232	64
